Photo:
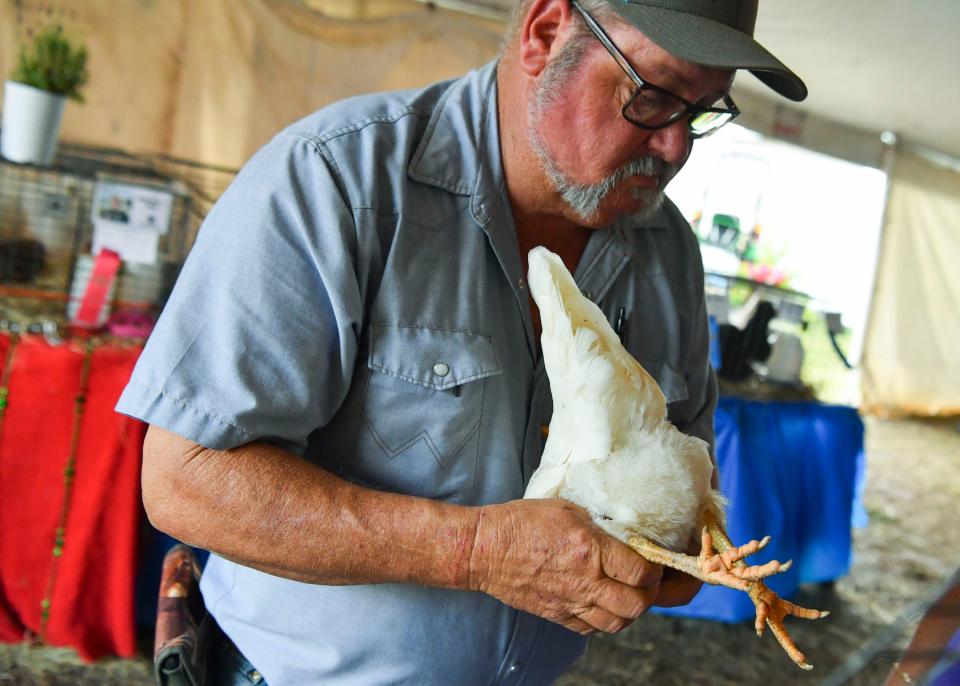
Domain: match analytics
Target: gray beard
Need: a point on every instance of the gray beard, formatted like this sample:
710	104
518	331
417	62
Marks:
585	199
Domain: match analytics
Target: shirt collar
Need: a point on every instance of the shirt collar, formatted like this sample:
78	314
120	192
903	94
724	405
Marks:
460	150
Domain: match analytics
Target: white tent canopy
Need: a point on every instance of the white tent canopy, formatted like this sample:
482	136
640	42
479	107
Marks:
877	65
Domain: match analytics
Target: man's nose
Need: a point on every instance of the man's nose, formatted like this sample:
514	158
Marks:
671	143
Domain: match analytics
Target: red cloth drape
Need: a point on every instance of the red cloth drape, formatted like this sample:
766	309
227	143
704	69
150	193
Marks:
92	601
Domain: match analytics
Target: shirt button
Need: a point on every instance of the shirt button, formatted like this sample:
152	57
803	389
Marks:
254	676
514	668
521	284
441	369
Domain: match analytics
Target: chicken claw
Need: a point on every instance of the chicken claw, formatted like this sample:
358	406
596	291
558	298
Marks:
772	610
721	566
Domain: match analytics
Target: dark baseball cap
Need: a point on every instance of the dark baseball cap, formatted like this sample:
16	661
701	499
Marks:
715	33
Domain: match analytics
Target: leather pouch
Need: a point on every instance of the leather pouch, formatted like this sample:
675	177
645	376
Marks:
183	629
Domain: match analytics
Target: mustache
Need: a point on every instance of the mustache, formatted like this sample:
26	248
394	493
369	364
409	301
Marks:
648	165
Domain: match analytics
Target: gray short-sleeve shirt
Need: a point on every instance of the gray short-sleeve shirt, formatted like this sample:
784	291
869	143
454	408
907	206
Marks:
356	296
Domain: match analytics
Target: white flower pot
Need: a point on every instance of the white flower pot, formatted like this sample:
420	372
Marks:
31	123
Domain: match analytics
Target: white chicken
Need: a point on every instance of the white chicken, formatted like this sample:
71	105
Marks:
611	450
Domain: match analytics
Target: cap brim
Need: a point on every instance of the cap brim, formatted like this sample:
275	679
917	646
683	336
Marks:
708	42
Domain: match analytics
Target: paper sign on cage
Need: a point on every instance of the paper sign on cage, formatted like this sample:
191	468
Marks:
129	220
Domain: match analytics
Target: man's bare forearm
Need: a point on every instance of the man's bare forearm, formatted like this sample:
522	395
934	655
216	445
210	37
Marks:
266	508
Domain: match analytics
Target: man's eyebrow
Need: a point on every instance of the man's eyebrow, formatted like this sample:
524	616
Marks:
674	81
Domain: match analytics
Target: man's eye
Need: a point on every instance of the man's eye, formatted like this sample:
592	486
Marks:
653	98
648	103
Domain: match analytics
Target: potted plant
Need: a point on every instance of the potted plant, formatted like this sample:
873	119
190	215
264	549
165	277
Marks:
49	70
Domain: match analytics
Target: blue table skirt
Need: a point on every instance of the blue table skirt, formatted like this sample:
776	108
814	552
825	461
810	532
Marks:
792	471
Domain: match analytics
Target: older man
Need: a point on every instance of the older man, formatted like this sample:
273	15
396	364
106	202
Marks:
345	390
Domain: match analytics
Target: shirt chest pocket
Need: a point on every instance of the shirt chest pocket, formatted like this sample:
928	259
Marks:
671	382
423	408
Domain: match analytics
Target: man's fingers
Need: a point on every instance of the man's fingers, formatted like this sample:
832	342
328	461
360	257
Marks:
623	564
677	589
632	582
624	601
602	620
578	625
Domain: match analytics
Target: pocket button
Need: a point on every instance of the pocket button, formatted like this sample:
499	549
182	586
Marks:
441	369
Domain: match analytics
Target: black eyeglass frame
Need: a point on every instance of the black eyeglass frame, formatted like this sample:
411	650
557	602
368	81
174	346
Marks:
691	110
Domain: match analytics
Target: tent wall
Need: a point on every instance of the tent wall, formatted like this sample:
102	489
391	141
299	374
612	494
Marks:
911	361
213	80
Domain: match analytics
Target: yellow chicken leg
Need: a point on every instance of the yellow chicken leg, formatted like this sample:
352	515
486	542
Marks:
771	609
710	566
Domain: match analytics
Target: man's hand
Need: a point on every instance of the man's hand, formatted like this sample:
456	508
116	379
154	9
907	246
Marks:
677	588
548	558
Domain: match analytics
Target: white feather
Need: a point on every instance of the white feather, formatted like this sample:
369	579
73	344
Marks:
610	447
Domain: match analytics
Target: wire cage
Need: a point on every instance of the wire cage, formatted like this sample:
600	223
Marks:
47	229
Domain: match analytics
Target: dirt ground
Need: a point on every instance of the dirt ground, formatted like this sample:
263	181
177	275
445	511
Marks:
909	548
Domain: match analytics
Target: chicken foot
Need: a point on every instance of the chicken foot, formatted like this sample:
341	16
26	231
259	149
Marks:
771	609
710	566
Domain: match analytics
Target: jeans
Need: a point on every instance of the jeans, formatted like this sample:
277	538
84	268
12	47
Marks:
227	665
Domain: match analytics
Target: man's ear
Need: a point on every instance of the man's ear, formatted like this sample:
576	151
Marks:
543	31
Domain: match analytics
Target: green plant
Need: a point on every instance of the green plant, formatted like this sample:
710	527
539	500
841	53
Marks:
52	63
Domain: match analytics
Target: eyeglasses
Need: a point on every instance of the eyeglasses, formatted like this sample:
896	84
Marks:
653	107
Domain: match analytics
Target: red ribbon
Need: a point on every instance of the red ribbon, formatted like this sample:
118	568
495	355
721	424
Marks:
105	269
